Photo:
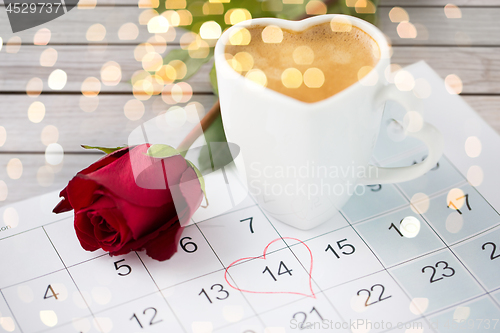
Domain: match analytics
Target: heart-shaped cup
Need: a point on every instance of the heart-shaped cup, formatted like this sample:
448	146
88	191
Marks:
307	159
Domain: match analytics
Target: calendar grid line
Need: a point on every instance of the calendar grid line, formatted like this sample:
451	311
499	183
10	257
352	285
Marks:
470	238
163	296
31	229
400	156
226	213
225	269
11	312
32	279
300	262
72	279
381	263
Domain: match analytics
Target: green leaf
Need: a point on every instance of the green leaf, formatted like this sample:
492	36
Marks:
103	149
213	80
192	64
215	154
162	151
200	178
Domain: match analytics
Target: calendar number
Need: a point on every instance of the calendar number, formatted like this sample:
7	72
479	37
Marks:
452	205
493	251
434	270
423	158
393	226
126	268
188	247
302	316
250	220
282	269
153	319
221	290
50	293
341	246
372	289
375	188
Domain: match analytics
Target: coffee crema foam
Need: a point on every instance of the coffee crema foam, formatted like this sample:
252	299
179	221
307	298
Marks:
309	65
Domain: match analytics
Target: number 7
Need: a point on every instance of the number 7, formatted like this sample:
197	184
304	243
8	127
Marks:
251	221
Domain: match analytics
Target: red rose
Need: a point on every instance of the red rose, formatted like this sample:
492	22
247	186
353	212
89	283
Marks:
128	201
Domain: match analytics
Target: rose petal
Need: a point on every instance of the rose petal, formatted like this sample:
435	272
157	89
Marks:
165	245
105	160
149	171
64	205
85	232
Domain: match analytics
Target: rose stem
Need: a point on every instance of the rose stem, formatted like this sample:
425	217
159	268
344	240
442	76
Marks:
195	133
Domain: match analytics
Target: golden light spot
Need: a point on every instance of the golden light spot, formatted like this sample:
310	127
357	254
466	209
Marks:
272	34
303	55
210	8
177	93
406	30
142	49
234	64
391	71
48	317
128	31
404	80
14	168
11	217
48	58
185	17
475	175
314	78
89	104
245	59
167	73
410	227
237	15
291	78
42	37
13	45
210	30
45	176
419	305
148	3
398	14
187	38
240	37
413	121
175	4
111	73
142	89
365	7
420	203
358	303
365	79
54	154
158	25
454	222
422	88
461	314
257	76
172	17
139	75
340	24
3	136
175	116
57	79
36	112
363	71
350	3
180	68
34	87
4	191
159	43
87	4
7	323
452	11
293	2
453	84
199	49
152	62
96	33
473	146
146	16
194	112
91	87
315	7
233	313
49	135
455	198
134	109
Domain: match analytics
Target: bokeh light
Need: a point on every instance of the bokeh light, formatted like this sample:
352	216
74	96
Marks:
398	14
240	37
340	24
452	12
272	34
406	30
210	30
134	109
314	78
404	80
91	87
57	79
48	58
453	84
89	104
158	25
42	37
50	134
96	33
315	7
111	73
475	175
128	31
3	135
473	146
36	112
303	55
54	154
34	87
291	78
14	168
257	76
13	44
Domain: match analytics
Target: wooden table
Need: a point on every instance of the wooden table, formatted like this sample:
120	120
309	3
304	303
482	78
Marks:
468	47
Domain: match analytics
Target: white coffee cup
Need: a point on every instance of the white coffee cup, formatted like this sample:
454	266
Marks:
301	161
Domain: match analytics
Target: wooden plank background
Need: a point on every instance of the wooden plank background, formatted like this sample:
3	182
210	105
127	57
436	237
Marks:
468	47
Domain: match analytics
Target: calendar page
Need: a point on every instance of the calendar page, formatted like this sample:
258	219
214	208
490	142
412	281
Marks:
419	256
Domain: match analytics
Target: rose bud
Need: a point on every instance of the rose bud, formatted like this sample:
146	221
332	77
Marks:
129	201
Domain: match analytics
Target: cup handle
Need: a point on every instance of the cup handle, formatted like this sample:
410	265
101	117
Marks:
416	128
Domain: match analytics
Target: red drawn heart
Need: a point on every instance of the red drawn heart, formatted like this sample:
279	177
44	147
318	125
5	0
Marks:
264	258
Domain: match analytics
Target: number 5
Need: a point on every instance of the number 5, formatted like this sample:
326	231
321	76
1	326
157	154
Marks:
117	267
